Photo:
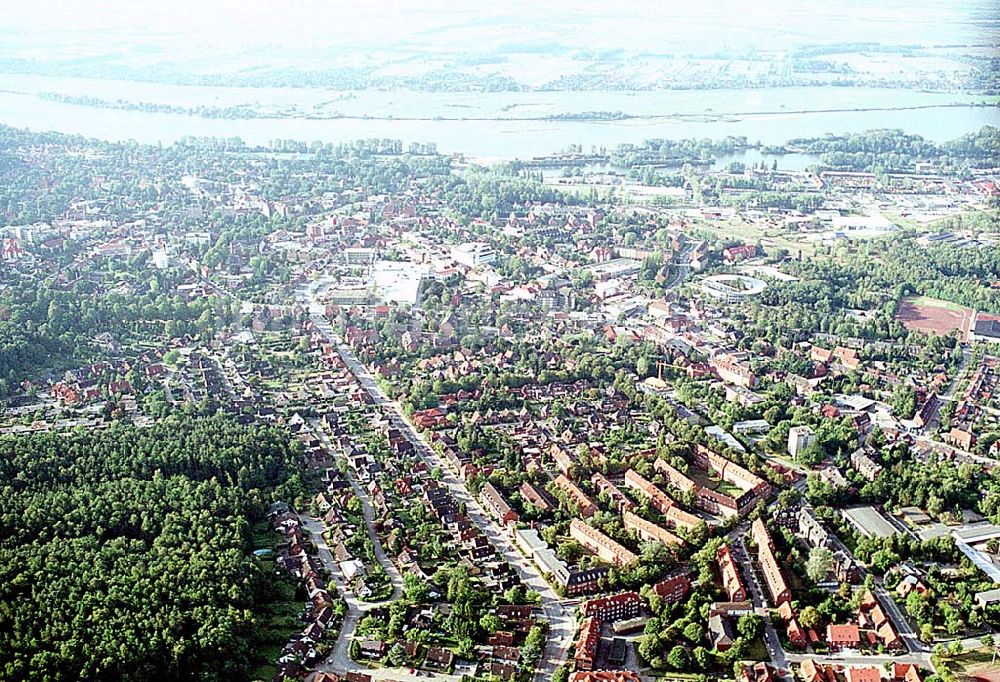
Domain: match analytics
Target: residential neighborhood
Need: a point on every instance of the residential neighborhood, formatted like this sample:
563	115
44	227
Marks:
459	423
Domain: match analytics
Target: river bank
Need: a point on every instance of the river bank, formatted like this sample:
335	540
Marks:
480	125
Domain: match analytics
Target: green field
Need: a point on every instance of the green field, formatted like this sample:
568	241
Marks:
936	303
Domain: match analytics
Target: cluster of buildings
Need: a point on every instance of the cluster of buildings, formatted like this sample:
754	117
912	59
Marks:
812	671
675	516
293	556
597	612
753	488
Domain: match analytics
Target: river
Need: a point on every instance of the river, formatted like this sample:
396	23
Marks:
490	125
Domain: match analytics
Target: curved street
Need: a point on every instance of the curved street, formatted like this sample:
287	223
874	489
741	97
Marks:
368	512
559	613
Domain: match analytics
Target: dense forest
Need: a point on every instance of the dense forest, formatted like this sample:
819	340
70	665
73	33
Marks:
125	554
873	277
895	150
43	326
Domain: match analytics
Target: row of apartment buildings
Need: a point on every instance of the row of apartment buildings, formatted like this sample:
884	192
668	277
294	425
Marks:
754	487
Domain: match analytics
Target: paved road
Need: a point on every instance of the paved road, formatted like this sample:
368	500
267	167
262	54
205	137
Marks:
339	659
929	429
368	511
917	653
558	613
771	639
949	393
896	615
899	621
849	658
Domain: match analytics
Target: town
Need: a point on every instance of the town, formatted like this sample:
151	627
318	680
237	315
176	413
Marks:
608	417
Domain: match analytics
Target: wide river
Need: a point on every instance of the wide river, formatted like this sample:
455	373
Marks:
490	125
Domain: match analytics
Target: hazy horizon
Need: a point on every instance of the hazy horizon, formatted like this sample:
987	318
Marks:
230	34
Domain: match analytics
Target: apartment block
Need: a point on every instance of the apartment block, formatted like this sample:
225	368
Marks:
649	531
614	607
865	465
586	644
600	544
773	578
603	485
800	438
731	580
535	497
658	499
811	529
578	497
733	372
494	501
753	487
673	588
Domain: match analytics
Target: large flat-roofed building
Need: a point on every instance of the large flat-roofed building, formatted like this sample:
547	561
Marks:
360	256
870	522
573	580
986	330
617	267
529	541
732	288
600	544
473	254
397	281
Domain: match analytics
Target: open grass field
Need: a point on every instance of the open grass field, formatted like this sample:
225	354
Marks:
976	665
937	303
932	316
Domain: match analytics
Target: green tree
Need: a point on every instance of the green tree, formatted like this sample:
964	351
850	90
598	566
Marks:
678	659
819	564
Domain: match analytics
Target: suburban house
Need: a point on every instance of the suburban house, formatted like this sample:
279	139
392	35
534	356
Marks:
843	636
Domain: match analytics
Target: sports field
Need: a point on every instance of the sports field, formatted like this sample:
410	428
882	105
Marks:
932	316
